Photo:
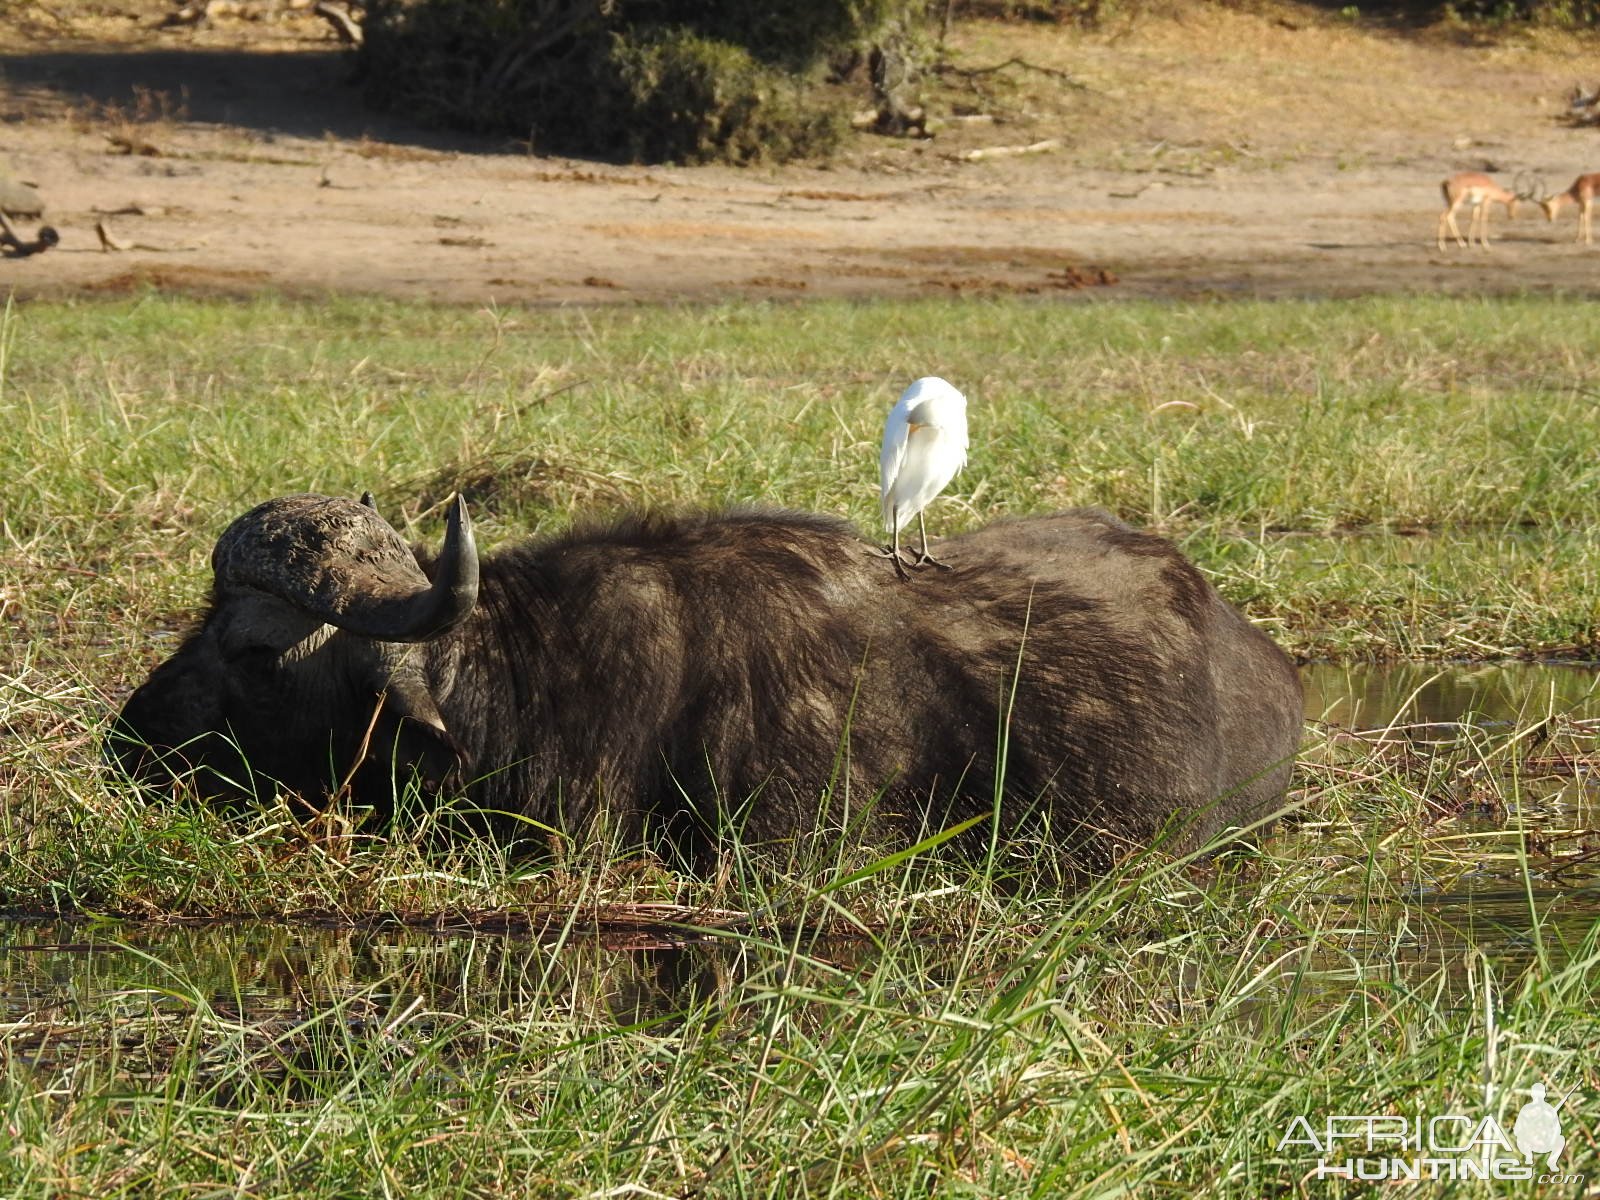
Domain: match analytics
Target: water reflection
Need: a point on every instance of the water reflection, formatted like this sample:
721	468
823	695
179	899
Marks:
1363	696
1507	755
47	968
1503	757
60	972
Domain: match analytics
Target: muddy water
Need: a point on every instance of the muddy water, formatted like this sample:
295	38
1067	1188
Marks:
1494	897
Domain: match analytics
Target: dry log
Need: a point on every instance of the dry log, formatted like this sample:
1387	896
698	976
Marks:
988	152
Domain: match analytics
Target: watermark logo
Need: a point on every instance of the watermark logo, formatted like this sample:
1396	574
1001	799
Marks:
1538	1128
1390	1148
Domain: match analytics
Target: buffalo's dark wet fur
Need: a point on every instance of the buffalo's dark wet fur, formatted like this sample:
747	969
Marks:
765	673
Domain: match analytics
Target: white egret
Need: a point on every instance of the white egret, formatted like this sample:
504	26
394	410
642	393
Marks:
924	445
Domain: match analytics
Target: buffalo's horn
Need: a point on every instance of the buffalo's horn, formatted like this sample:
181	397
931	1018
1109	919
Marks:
339	561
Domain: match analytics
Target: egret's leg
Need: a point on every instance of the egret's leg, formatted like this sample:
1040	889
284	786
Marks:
892	550
923	556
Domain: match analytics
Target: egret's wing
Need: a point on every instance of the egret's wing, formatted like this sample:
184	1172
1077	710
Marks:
896	436
958	433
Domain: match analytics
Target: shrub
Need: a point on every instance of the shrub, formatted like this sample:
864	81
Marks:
691	99
649	80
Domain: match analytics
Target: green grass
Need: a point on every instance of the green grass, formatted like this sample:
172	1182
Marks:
1155	1035
133	432
1152	1036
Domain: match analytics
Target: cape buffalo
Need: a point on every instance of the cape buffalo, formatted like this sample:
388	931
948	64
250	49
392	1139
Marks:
673	677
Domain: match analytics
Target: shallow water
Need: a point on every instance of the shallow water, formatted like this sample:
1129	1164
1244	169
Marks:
53	969
1372	697
1519	879
58	975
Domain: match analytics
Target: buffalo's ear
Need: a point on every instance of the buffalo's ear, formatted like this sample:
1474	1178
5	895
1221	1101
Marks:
435	757
420	741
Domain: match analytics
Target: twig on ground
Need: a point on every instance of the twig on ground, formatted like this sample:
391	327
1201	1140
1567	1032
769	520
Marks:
1138	191
133	145
970	73
343	22
988	152
111	244
108	243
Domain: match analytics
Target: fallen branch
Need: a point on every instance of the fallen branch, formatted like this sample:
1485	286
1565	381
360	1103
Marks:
988	152
189	14
133	144
110	244
199	14
13	246
344	24
1138	191
1013	61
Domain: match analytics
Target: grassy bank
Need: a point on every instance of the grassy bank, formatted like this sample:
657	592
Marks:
1155	1035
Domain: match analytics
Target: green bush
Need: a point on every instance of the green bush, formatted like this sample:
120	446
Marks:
793	33
650	80
480	65
690	99
1572	13
1568	13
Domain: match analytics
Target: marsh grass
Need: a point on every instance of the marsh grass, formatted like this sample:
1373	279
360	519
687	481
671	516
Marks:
982	1033
1155	1033
837	1031
1277	443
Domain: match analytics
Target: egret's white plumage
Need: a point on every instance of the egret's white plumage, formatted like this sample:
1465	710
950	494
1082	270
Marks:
924	445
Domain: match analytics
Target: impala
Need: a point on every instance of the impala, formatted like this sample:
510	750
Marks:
1478	191
1582	194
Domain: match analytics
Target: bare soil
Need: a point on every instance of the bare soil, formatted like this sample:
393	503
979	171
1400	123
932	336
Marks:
1279	151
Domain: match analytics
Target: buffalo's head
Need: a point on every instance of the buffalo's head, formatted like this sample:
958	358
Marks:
308	672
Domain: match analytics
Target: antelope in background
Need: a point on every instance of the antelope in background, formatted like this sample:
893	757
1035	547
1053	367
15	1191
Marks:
1581	193
1479	191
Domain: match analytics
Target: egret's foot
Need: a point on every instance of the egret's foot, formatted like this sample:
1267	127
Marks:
927	560
893	556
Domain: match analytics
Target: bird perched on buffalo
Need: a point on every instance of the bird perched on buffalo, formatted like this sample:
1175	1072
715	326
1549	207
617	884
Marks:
924	446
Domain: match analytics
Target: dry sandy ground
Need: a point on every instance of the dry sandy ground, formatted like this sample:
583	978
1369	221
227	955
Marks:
1210	151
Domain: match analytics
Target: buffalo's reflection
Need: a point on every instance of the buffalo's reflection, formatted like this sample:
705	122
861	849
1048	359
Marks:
240	1012
61	971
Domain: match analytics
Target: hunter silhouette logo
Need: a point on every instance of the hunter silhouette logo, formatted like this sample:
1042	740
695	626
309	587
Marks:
1538	1128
